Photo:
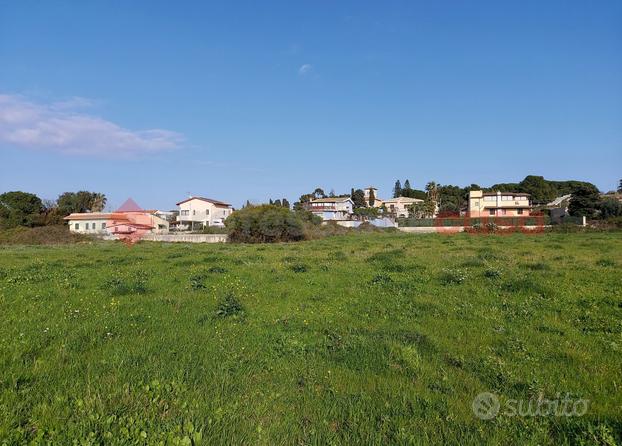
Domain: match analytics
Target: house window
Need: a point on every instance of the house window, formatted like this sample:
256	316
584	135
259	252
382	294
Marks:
76	226
87	227
206	211
491	212
103	225
184	212
490	198
519	211
194	212
502	211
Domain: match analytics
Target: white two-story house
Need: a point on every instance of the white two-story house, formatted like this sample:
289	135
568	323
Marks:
337	208
199	212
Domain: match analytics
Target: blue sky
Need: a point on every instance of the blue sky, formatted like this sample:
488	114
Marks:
252	100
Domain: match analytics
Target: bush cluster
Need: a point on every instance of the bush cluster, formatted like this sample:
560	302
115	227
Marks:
264	224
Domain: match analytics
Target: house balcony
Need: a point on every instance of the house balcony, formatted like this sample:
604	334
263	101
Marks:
321	208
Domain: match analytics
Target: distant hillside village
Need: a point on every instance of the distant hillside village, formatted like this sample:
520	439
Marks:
83	212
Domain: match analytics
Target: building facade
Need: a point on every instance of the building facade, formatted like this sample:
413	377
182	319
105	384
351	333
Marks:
200	212
399	207
110	223
336	208
498	204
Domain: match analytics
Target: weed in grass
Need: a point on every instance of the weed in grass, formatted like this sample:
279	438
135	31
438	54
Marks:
381	279
133	282
473	262
338	256
299	268
492	273
606	263
539	266
453	276
197	281
229	306
217	270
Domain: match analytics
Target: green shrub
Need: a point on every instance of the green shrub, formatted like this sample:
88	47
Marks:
229	306
264	224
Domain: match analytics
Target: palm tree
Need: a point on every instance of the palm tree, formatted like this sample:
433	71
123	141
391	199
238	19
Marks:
432	200
98	202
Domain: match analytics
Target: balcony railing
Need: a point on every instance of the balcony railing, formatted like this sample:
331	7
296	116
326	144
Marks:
321	208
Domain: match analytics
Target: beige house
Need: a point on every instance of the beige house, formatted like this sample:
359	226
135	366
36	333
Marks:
335	208
399	206
200	212
498	204
107	223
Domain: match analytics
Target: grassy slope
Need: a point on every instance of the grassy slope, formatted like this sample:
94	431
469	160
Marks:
361	339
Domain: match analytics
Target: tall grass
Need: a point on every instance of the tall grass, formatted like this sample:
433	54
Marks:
362	339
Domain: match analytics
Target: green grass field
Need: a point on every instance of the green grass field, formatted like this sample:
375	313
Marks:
360	339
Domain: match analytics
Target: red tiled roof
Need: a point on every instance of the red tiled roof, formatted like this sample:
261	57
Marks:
104	215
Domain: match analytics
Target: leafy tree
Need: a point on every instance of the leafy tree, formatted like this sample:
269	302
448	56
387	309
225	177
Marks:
585	201
331	194
306	198
507	187
358	197
397	189
418	210
319	193
82	201
610	207
372	198
20	209
264	224
452	198
539	189
367	212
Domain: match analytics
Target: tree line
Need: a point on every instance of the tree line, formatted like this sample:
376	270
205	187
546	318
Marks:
19	208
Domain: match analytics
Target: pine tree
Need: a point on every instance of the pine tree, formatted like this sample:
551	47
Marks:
407	191
285	203
620	187
397	189
271	202
277	202
372	198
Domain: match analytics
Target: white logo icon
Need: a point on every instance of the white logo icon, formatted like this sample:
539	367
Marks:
486	406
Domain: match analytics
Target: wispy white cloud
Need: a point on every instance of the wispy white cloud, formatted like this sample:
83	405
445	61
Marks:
59	127
305	69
